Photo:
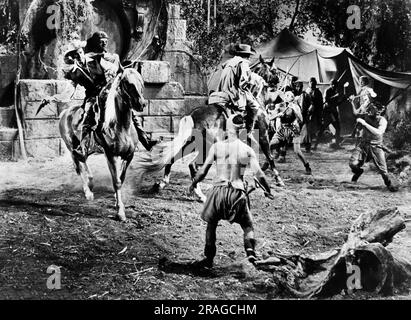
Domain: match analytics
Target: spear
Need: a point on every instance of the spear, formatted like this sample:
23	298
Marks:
339	79
288	72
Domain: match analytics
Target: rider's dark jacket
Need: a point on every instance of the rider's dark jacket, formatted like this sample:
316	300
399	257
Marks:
93	73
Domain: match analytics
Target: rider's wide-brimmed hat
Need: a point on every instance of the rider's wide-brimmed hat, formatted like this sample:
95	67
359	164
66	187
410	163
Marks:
100	35
71	49
75	45
243	49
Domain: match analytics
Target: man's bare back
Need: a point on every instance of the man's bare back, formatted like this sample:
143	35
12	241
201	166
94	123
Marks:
228	199
232	156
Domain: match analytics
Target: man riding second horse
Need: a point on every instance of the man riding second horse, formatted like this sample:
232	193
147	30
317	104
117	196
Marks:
93	71
234	87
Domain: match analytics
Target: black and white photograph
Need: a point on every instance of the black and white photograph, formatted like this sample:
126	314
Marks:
219	152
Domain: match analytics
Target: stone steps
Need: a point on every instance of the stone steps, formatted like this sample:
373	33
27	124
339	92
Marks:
8	134
7	117
8	143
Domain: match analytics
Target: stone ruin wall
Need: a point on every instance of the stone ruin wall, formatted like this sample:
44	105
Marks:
173	87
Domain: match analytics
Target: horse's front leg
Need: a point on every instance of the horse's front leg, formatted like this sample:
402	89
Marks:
166	179
118	168
193	171
86	176
265	148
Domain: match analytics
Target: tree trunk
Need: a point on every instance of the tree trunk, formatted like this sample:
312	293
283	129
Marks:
297	5
363	262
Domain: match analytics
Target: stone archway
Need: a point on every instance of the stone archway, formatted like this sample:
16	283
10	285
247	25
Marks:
130	24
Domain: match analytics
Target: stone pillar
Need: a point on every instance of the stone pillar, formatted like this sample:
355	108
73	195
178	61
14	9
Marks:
186	69
8	70
41	131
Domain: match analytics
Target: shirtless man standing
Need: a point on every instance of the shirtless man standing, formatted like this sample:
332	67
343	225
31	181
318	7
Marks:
228	199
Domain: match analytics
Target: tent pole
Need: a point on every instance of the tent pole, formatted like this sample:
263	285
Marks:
215	13
320	78
288	71
208	15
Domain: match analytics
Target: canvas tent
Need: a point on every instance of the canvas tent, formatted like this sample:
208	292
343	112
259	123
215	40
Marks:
302	58
306	60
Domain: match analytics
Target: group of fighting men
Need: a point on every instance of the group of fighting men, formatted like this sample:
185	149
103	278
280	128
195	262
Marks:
228	199
91	66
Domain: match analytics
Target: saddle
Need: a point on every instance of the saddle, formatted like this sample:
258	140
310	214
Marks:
98	106
225	101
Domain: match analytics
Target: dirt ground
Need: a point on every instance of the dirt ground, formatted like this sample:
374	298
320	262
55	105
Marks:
46	220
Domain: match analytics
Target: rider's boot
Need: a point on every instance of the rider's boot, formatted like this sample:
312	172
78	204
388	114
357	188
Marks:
88	122
251	117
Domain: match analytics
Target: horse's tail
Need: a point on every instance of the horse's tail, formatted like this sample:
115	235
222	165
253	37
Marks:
65	129
163	153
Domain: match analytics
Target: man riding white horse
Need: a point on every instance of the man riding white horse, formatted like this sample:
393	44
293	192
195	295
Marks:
102	67
234	87
93	71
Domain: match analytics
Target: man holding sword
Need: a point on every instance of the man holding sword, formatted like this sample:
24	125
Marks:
370	143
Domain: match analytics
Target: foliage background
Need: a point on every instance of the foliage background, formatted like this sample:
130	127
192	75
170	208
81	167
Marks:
384	40
8	25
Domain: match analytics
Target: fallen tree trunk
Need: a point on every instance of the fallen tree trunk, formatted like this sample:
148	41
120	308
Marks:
363	262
